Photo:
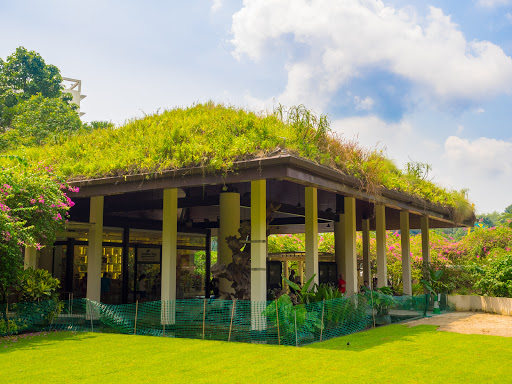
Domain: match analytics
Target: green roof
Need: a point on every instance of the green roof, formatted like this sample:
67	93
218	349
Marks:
215	137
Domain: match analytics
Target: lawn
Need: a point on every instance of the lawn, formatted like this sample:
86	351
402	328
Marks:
392	354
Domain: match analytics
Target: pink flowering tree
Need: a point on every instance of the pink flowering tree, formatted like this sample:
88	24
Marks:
33	209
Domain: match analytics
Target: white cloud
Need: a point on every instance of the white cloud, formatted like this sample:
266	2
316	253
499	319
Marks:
508	16
363	104
339	39
373	132
216	5
483	165
493	3
484	155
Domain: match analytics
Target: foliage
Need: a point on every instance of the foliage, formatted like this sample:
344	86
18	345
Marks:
215	137
8	327
99	125
22	75
200	261
289	315
38	284
286	243
325	292
495	278
380	301
33	209
306	293
41	120
434	284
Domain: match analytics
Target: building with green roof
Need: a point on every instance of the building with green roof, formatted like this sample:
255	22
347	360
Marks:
154	192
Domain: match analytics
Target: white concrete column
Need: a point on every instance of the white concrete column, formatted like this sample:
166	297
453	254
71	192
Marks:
405	240
425	246
367	266
169	255
30	260
339	244
380	234
311	234
350	246
228	226
95	249
258	253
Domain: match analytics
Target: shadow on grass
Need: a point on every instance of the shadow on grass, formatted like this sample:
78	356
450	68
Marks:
365	340
27	341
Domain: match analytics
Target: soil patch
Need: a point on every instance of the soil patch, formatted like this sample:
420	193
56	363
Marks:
470	323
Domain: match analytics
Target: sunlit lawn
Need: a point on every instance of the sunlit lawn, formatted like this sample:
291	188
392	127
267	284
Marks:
392	354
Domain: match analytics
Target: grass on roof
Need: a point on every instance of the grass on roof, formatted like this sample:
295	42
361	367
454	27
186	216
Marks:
391	354
215	136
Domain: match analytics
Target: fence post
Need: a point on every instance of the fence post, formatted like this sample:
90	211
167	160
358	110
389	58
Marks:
163	322
7	314
296	338
322	329
136	310
231	323
373	311
204	315
278	332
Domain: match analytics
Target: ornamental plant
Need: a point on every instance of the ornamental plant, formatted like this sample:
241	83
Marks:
495	278
33	209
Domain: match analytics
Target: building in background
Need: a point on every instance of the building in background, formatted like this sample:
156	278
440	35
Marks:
74	88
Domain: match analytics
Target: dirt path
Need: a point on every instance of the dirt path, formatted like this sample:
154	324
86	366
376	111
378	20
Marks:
470	323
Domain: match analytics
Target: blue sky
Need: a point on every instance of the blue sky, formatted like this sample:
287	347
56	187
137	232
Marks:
425	81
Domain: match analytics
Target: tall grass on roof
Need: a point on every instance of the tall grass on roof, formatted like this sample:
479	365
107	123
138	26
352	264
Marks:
214	137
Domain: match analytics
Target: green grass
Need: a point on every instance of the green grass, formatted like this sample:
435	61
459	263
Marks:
392	354
214	137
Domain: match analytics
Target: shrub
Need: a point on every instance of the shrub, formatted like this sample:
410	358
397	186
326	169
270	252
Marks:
495	279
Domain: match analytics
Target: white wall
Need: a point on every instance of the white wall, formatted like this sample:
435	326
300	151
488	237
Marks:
498	305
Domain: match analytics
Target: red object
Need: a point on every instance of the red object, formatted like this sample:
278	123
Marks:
341	285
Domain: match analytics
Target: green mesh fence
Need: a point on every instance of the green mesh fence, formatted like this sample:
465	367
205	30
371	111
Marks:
273	322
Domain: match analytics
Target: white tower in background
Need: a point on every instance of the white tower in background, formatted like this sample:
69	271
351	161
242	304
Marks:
75	89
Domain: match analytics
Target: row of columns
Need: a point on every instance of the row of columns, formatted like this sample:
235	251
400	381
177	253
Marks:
344	229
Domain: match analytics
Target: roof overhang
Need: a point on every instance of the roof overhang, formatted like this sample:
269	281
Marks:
281	167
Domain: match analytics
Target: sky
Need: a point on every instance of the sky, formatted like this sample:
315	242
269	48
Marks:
424	81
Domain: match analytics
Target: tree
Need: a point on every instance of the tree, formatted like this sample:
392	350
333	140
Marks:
40	120
25	74
33	209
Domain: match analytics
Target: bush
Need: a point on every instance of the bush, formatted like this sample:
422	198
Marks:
496	277
8	327
38	285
